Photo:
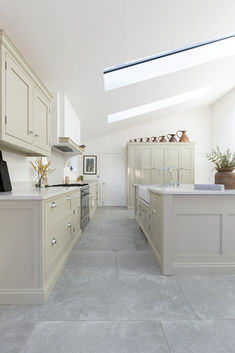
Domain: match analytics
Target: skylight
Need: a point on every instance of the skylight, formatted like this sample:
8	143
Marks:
168	62
163	103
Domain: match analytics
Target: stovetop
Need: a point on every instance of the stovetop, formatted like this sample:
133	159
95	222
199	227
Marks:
66	185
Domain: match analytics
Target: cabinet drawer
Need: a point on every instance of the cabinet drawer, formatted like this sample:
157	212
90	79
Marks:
56	210
54	246
76	198
156	202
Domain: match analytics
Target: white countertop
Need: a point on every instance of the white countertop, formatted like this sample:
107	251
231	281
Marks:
26	191
186	189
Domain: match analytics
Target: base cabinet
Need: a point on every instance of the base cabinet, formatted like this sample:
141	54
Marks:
36	240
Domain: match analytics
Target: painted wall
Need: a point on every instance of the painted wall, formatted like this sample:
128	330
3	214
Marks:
20	168
197	122
223	122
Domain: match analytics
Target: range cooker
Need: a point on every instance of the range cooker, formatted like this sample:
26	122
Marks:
84	201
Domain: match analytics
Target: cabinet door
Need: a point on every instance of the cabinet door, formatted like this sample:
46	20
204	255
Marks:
41	120
132	172
187	165
156	223
18	102
145	164
160	156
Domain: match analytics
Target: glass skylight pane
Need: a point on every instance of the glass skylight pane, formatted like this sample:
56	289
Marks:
163	103
164	65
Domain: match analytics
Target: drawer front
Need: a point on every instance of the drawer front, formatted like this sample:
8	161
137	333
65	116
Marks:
76	198
55	211
54	246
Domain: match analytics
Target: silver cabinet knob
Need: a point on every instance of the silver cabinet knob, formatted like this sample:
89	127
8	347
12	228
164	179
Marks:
53	241
154	211
69	198
53	204
69	225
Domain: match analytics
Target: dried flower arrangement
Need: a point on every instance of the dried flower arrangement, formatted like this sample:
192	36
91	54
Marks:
42	170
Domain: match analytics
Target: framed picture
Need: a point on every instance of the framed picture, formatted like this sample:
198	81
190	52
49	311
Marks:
90	165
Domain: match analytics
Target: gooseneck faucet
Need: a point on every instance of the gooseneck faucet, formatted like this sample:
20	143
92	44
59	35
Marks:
178	173
169	170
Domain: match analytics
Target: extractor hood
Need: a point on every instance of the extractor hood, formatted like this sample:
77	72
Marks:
65	127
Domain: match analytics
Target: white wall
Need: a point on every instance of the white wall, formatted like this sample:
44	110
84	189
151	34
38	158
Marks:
223	122
20	169
197	122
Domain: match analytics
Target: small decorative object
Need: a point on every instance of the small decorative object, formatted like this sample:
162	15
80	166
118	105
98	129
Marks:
66	180
172	138
90	165
162	138
140	139
154	139
135	140
80	179
45	180
183	137
42	170
224	164
147	139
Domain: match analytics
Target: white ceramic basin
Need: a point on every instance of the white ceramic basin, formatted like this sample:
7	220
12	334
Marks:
143	193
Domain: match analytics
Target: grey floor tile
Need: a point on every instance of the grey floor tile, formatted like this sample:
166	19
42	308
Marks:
134	297
97	337
64	303
106	243
13	335
137	262
212	297
91	263
200	336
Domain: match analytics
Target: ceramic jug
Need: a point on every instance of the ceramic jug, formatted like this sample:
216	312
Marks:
154	139
140	139
135	140
172	138
147	139
183	137
162	139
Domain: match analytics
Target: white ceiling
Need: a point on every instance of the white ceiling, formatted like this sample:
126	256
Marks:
69	43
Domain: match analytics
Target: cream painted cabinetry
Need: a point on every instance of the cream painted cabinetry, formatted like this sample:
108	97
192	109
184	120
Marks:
145	160
36	238
93	198
25	103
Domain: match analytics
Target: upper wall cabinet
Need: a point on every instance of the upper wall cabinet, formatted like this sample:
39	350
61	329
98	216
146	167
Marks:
24	103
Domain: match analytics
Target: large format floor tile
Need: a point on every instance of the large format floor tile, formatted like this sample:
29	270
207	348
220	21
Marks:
137	262
13	335
91	263
130	297
212	297
64	303
200	336
97	337
106	243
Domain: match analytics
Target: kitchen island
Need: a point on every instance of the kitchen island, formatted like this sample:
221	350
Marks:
190	231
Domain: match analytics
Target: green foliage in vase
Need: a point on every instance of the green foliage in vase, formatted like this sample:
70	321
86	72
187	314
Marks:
221	160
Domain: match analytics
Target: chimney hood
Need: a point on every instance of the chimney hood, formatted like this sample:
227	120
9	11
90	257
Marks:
66	127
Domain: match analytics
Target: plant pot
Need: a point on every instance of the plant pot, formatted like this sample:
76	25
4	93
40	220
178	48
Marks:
226	177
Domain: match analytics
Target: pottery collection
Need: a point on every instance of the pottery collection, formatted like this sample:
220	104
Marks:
181	134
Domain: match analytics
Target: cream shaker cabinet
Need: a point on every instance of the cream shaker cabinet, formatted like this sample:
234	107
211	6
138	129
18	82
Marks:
36	240
25	103
146	163
93	198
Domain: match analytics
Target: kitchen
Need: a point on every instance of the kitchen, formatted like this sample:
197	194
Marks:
76	263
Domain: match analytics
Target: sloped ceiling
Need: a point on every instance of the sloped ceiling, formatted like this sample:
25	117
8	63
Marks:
69	43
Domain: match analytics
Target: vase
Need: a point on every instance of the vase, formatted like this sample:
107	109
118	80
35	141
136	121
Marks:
226	177
39	183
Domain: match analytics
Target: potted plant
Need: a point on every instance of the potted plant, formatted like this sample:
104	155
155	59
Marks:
224	164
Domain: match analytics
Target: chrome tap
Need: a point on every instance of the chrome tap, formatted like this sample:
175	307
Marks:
171	176
178	174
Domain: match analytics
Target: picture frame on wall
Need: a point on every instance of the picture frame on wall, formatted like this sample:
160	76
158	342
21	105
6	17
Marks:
90	164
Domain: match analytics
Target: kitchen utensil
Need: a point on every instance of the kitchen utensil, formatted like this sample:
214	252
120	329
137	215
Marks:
172	138
183	137
5	182
154	139
162	138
